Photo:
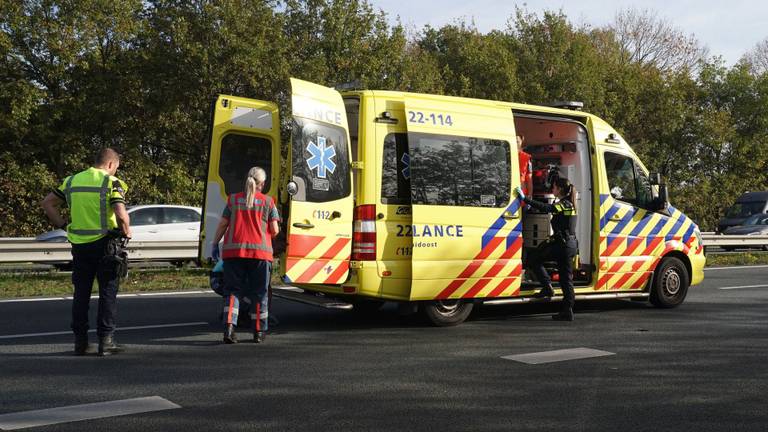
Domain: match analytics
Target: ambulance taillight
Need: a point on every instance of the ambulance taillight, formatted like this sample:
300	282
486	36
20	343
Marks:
364	233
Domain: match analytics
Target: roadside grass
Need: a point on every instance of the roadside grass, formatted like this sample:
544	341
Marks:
743	258
60	284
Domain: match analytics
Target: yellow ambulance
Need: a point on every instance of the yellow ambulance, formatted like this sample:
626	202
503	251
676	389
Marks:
394	196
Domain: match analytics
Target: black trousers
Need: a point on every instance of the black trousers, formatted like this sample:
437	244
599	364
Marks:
87	265
563	256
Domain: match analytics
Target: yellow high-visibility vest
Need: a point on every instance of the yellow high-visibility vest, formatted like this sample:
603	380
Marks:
90	195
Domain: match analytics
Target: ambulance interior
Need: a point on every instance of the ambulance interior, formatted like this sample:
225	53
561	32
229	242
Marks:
556	147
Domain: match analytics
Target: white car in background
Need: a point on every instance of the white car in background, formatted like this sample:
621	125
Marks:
157	222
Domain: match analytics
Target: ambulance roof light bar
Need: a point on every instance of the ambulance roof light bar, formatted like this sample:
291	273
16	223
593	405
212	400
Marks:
571	105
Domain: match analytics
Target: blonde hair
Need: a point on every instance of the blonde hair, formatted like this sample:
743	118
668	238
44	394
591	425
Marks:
254	181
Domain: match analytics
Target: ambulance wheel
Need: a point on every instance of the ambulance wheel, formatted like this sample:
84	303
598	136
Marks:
445	313
670	283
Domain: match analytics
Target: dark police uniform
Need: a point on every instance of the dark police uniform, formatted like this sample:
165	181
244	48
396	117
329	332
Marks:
561	247
90	195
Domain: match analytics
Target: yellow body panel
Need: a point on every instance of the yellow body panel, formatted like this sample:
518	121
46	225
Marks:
251	122
320	217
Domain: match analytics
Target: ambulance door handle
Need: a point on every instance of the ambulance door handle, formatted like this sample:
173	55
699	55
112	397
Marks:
510	215
303	225
616	218
335	214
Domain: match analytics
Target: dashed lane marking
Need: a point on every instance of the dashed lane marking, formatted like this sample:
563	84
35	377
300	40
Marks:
743	286
73	413
557	355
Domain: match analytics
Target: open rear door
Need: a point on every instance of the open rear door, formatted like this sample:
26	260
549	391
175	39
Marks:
244	133
320	188
466	218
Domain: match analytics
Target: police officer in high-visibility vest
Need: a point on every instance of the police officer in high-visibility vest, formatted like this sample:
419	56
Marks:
248	224
96	199
561	247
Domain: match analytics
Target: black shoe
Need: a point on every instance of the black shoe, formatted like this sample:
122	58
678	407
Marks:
564	316
259	336
545	292
81	345
230	337
108	346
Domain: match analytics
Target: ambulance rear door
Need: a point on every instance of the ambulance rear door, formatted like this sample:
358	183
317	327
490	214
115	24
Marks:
244	133
320	188
466	218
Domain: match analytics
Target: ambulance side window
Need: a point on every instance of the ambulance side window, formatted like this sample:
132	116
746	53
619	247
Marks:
621	177
459	171
239	153
644	192
320	164
396	171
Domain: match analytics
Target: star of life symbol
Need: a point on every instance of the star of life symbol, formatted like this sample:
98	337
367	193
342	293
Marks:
322	157
406	160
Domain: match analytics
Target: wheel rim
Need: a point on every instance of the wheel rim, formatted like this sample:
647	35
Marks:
447	307
671	282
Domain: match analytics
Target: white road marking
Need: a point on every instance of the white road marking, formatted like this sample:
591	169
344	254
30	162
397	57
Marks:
148	294
743	286
557	355
51	416
197	323
736	267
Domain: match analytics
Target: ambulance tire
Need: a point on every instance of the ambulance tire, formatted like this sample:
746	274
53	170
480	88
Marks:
670	283
446	313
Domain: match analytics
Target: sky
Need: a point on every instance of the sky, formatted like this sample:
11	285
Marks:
728	28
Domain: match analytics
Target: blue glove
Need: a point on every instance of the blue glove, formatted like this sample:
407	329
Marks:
519	192
215	254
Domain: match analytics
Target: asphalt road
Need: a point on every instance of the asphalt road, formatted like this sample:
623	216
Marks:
700	367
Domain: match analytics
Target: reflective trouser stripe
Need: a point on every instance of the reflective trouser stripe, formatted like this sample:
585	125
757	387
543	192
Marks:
258	312
231	309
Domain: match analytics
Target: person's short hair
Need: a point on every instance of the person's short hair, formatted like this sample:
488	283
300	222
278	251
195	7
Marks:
106	155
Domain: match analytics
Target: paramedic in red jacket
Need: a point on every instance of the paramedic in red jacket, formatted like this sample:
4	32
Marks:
248	223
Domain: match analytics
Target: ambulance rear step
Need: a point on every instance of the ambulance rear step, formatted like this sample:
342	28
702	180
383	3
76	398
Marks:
636	295
301	296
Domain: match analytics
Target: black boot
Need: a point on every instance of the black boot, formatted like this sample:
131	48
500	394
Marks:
108	346
81	344
230	337
545	292
259	336
564	315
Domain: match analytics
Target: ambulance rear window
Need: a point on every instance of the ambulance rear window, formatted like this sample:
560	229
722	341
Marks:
239	153
396	176
459	171
320	161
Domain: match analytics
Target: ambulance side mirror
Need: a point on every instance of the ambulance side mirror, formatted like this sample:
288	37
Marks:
654	179
661	202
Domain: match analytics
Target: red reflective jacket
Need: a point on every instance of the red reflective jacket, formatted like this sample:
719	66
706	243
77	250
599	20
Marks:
248	234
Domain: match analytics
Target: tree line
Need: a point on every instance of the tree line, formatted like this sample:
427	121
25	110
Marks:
139	75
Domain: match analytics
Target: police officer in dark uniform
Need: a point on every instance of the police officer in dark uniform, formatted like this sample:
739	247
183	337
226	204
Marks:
561	247
96	199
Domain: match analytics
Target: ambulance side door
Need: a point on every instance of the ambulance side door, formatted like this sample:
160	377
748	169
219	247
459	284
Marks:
466	227
244	133
320	188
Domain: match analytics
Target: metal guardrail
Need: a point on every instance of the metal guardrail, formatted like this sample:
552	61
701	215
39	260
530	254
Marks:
712	239
14	250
